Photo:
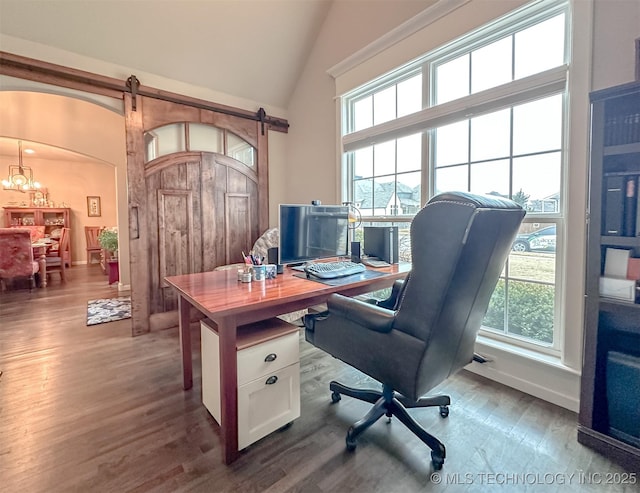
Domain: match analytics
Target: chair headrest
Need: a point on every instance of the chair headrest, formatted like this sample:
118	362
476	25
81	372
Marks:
475	200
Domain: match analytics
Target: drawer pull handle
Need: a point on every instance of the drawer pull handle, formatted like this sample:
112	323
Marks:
271	380
270	357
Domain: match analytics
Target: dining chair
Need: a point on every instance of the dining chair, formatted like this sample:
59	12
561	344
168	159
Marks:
56	258
37	232
16	256
91	234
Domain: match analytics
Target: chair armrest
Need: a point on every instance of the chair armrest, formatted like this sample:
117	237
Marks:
369	316
391	303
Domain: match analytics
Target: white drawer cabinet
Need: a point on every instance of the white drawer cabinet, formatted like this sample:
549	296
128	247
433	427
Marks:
268	377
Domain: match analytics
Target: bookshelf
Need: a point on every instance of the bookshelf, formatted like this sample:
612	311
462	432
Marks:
609	419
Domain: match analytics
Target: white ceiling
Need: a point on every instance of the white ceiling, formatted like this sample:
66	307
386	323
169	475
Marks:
254	49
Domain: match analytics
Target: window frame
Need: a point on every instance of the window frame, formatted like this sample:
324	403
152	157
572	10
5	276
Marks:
530	88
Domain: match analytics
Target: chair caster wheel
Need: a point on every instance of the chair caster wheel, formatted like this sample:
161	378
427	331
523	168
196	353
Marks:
335	397
444	411
351	442
437	460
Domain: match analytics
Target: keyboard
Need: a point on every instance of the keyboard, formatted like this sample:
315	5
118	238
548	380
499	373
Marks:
331	270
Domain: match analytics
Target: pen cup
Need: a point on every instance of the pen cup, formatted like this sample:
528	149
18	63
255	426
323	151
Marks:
259	272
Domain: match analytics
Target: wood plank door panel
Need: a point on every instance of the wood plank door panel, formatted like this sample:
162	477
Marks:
238	225
175	234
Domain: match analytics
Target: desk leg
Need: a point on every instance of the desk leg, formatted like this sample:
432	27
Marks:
227	334
185	342
42	264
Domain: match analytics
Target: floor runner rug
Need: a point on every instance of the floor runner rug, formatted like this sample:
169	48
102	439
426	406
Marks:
108	310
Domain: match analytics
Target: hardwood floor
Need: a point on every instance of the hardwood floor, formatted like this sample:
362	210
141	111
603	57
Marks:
93	409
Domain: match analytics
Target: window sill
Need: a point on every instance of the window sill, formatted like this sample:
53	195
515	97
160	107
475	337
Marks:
538	357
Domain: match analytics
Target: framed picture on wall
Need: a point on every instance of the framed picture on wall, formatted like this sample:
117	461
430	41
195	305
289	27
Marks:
93	207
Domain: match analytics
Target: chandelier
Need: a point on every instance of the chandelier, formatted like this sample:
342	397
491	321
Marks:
20	177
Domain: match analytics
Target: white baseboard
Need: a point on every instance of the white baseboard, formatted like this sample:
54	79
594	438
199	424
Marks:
550	382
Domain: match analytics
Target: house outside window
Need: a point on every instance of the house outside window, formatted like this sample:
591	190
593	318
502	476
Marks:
484	114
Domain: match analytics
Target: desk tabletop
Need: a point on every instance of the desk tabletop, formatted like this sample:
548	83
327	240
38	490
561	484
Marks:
220	292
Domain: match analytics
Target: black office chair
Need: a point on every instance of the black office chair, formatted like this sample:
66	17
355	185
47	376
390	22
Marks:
426	330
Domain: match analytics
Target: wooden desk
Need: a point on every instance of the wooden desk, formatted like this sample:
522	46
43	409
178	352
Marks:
230	303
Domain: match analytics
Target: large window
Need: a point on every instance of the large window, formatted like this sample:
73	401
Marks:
485	114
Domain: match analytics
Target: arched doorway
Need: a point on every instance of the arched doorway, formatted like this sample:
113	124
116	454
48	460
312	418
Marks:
83	127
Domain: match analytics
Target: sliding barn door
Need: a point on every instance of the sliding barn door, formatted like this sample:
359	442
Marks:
197	195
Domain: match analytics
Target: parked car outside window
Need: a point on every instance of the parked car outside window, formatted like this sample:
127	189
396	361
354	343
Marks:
542	240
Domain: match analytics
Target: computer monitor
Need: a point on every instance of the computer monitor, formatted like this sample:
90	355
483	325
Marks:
310	232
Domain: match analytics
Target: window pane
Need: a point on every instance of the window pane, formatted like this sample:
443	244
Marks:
491	177
409	153
165	140
454	178
452	144
537	126
533	253
539	47
384	105
490	136
530	310
384	156
410	95
452	80
205	138
150	146
384	196
494	318
363	162
404	241
491	65
363	113
240	150
363	196
538	179
408	193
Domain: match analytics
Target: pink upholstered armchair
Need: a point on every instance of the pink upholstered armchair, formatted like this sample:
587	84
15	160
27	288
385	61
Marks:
16	255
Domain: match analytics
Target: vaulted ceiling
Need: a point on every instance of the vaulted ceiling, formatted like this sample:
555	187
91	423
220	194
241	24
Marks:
253	49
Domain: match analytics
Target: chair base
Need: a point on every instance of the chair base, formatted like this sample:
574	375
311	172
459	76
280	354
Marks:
390	403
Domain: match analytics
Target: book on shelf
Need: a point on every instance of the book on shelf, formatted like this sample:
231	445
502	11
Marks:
633	269
613	203
630	215
622	129
638	207
616	262
621	212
